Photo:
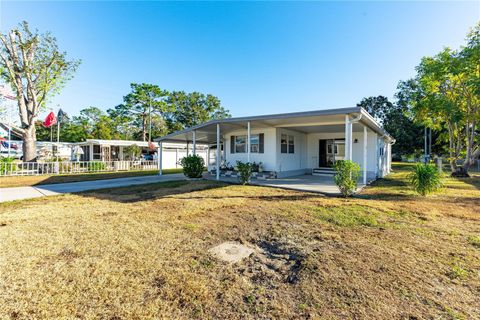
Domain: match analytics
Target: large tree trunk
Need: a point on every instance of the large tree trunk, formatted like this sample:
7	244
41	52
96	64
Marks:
29	144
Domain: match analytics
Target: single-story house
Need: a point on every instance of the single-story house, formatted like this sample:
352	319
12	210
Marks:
114	150
292	144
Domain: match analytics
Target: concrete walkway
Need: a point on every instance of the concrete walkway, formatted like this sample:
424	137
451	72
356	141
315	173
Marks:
20	193
319	184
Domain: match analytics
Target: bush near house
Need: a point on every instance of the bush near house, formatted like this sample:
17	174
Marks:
425	178
245	170
346	176
132	152
193	166
96	166
6	164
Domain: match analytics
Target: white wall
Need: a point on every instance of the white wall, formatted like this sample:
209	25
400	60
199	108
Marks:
170	157
292	161
267	157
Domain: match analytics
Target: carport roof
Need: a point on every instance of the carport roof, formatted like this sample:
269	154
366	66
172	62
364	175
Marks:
206	132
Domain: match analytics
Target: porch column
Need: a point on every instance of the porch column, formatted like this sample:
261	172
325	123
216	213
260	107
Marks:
176	158
249	133
217	162
90	156
348	138
365	135
159	156
208	156
194	142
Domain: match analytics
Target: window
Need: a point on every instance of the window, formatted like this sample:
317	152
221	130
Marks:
291	145
254	143
287	144
238	144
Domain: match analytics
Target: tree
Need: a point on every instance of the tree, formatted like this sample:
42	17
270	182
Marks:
192	109
35	68
396	119
141	104
445	95
378	107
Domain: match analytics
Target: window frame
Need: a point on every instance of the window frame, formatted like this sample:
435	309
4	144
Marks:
287	144
254	147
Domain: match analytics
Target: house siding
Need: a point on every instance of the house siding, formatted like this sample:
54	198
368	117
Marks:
267	158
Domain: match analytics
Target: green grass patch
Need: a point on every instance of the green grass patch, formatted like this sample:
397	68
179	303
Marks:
474	241
457	272
348	215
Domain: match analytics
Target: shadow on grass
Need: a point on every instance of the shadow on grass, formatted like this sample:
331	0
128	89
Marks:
175	189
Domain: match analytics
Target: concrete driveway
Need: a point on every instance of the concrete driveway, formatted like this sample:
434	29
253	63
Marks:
20	193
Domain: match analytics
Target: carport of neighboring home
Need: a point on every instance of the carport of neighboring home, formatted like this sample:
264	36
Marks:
293	144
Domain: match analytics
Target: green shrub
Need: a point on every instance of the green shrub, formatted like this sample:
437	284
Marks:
245	170
96	166
425	178
132	152
346	176
193	166
6	165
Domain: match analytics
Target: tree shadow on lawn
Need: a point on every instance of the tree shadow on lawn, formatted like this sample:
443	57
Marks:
169	189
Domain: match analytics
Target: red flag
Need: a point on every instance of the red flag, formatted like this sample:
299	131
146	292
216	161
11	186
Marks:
50	120
151	146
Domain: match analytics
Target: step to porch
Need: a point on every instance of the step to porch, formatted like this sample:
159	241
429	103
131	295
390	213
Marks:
323	171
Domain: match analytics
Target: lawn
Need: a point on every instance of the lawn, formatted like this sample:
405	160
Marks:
141	252
22	181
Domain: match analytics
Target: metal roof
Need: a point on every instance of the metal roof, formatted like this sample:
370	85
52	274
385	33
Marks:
367	119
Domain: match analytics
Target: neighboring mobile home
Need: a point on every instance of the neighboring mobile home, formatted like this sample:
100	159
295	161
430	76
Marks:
297	143
114	150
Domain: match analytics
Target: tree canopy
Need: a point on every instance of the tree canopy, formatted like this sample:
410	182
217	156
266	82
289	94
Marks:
147	103
445	96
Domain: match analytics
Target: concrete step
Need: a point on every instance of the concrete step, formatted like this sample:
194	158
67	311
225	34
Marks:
323	171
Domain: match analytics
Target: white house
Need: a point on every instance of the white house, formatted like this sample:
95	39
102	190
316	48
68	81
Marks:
296	143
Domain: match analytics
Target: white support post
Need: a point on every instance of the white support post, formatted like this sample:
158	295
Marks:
217	161
159	156
348	138
365	136
176	157
249	134
208	156
194	142
90	156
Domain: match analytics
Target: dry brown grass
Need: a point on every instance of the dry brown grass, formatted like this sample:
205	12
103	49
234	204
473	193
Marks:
22	181
140	252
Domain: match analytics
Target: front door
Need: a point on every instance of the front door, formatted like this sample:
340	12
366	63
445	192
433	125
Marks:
322	154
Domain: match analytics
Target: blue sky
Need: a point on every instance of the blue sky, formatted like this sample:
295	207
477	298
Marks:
257	57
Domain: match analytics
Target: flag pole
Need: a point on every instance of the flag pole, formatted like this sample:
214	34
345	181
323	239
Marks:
9	133
58	135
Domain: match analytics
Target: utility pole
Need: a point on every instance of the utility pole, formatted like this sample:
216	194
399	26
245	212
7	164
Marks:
149	120
425	145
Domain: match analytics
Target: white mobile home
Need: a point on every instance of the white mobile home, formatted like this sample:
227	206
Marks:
114	150
297	143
